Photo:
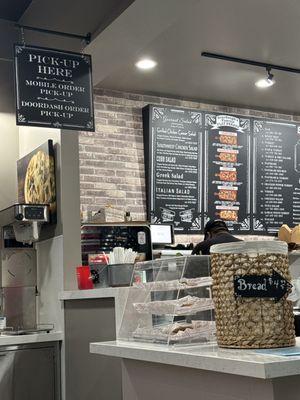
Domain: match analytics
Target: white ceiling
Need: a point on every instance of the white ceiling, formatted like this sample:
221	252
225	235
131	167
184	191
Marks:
175	32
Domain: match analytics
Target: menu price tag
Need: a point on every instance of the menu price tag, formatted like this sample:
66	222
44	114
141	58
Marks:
53	88
261	286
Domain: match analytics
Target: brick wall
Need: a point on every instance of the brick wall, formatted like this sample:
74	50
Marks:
112	159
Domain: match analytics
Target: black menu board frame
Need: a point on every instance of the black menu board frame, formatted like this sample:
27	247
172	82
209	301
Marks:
173	141
245	156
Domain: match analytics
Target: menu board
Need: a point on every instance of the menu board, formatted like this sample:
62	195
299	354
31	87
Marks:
227	171
276	175
205	165
173	149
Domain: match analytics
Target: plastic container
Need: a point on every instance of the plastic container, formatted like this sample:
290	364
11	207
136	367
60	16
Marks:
254	321
120	274
169	303
100	275
2	323
84	278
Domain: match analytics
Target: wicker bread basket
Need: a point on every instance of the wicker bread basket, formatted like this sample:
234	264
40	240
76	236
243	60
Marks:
250	322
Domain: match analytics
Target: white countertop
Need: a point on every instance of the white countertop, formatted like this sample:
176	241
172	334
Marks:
7	340
97	293
211	358
172	252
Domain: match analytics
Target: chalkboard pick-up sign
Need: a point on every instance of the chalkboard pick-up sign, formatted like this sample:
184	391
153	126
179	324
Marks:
272	286
53	88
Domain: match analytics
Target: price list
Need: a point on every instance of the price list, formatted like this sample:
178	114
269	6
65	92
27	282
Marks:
176	136
276	188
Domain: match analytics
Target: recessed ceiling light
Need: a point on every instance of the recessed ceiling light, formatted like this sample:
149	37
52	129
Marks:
266	82
146	63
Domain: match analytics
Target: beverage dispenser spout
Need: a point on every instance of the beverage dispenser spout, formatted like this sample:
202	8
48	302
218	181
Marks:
26	220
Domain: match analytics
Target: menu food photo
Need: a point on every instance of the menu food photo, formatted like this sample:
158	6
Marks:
36	178
227	170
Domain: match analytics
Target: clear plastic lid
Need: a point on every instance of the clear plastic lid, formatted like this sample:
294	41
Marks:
251	247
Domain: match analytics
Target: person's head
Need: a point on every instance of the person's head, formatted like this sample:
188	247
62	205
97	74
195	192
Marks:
214	227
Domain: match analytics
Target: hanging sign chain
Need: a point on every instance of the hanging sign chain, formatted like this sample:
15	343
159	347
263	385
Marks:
83	44
23	37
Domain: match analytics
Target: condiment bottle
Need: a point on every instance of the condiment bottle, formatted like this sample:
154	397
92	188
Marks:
127	217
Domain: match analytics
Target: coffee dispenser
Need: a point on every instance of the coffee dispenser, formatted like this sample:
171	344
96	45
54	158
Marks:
20	227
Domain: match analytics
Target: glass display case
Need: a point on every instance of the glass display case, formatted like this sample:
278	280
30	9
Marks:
170	302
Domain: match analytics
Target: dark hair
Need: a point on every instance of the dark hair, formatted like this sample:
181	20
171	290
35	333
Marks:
216	229
214	226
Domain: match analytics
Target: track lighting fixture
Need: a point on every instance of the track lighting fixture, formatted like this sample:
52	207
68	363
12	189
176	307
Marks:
262	83
266	82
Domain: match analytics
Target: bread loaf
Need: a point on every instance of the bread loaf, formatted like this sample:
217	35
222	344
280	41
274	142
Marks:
295	235
284	233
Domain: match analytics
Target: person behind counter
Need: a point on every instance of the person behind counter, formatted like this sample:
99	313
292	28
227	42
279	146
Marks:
215	232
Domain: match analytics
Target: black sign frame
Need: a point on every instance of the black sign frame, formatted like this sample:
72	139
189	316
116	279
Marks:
66	113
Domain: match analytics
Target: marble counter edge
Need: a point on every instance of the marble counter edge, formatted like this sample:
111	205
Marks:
271	368
97	293
6	340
